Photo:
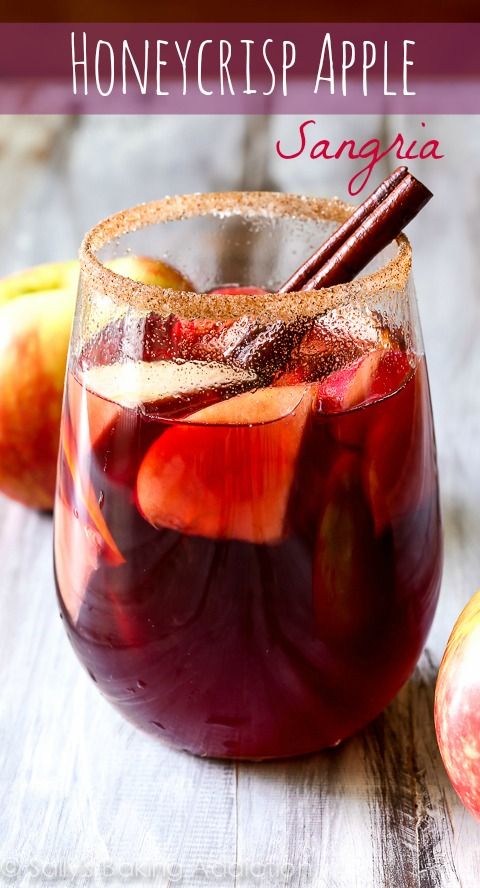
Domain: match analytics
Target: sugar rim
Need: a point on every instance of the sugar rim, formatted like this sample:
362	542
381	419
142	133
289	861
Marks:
392	276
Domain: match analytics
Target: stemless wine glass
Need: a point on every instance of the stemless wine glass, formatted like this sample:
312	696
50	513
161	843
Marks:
247	535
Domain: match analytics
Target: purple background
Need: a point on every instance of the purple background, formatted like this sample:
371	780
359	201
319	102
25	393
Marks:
36	71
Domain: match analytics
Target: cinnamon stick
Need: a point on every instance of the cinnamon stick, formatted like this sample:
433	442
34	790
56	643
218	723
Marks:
374	233
369	229
310	267
269	347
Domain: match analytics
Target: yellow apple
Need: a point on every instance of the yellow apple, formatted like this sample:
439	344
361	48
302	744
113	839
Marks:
36	312
40	279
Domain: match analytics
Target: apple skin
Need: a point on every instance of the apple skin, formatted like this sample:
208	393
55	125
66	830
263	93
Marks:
40	279
34	335
457	706
36	313
146	270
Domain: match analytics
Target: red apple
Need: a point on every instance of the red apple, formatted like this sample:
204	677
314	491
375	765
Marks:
369	378
34	334
36	311
457	706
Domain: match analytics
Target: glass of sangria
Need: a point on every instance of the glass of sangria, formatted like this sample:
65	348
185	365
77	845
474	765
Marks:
247	530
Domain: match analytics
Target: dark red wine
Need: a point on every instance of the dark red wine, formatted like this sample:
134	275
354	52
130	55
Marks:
248	574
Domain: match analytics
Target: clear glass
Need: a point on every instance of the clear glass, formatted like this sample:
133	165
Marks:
247	530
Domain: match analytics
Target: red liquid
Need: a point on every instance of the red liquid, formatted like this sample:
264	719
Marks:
274	646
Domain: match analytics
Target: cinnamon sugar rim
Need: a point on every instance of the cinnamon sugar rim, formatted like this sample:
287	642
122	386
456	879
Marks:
390	278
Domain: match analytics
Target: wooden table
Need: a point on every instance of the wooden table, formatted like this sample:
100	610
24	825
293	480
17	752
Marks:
84	796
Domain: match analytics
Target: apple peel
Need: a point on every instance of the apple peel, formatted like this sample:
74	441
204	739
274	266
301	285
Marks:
87	495
133	383
457	706
369	378
76	556
349	387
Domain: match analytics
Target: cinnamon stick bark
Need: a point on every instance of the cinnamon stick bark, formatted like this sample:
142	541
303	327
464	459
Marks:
369	229
374	233
270	346
310	267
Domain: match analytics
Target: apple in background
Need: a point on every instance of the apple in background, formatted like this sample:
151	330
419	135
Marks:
53	276
34	334
36	312
457	706
147	270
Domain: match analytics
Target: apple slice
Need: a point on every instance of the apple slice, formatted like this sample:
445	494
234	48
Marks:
227	472
251	408
77	547
166	388
392	371
350	571
90	414
156	337
371	377
350	386
86	496
89	417
399	472
151	338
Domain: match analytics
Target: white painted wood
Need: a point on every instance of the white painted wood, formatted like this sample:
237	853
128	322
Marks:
79	787
61	744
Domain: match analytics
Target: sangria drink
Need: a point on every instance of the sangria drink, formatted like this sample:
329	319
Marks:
247	554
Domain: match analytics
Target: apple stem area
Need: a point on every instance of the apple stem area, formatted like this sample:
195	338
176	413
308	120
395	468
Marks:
82	786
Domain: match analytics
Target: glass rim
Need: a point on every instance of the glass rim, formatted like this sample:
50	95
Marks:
392	276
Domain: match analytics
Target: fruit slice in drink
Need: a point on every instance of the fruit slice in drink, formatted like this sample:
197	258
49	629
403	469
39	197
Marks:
351	568
335	340
226	473
398	473
366	380
369	378
166	389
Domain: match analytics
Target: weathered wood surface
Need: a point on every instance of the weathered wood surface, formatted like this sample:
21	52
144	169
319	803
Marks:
87	800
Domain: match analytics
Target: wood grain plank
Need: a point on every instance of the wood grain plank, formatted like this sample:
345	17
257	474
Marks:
87	785
26	145
304	820
447	273
78	784
409	795
396	823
